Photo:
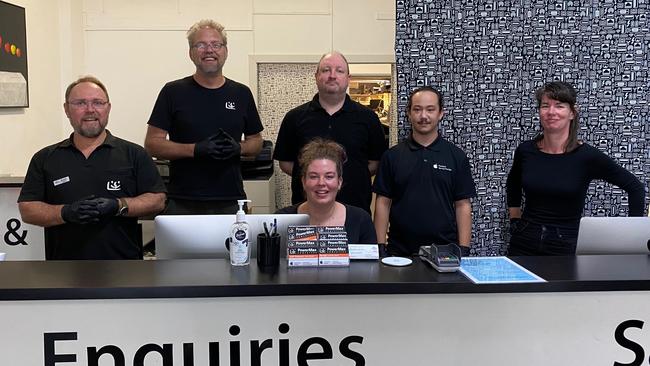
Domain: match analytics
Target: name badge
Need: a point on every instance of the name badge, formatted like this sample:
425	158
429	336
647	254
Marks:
60	181
363	251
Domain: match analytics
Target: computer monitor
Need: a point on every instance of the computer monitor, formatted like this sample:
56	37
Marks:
614	235
204	236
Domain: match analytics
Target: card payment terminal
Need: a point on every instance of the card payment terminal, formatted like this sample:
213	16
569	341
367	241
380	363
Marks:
444	258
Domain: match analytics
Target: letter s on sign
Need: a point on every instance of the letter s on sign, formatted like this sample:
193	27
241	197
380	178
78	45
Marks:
619	336
344	348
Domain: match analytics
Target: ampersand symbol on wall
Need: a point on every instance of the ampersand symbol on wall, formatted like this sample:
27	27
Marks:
12	237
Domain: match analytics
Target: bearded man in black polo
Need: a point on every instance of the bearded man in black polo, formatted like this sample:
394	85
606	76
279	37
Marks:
89	189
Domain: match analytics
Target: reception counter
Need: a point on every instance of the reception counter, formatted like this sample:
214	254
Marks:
591	311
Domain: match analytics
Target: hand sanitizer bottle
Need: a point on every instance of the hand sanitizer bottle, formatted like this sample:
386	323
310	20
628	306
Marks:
240	249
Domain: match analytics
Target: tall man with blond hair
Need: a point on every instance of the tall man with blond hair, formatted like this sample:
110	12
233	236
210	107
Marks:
197	123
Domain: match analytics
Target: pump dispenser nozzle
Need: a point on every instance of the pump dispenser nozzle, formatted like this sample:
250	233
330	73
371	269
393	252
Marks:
241	215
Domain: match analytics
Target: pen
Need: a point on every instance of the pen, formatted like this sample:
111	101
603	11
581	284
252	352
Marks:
266	230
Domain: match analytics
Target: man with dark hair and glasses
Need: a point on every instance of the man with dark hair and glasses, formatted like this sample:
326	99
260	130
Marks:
89	189
197	123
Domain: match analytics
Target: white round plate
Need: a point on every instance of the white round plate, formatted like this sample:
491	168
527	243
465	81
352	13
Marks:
397	261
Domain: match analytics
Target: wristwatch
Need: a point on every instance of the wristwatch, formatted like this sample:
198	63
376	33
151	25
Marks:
123	208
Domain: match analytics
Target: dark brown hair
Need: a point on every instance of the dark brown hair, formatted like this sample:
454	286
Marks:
421	89
565	93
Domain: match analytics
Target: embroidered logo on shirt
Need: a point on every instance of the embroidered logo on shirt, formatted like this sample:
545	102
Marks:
230	105
113	185
60	181
441	167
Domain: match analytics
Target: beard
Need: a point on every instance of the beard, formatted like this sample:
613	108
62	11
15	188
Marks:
92	129
211	68
91	132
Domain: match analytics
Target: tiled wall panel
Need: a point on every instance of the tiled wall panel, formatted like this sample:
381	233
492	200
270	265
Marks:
488	57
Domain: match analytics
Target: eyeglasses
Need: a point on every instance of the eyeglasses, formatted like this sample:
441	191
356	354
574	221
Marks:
202	46
82	104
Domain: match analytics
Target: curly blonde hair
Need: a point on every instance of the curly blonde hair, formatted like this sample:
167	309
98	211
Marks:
206	23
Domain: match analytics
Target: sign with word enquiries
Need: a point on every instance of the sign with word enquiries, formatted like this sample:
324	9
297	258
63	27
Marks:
532	329
19	240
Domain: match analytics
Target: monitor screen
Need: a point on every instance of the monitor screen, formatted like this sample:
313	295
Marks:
614	235
204	236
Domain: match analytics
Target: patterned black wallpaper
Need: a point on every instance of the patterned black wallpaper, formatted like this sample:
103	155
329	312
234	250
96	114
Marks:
488	57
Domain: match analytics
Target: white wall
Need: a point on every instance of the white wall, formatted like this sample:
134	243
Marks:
135	46
25	130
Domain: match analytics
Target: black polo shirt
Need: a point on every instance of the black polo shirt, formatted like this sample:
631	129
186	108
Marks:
423	184
60	174
354	126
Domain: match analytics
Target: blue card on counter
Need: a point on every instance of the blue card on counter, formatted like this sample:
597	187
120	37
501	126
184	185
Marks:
482	270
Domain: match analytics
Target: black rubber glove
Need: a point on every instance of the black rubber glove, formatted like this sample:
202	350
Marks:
228	147
464	251
207	148
513	224
83	211
383	250
107	206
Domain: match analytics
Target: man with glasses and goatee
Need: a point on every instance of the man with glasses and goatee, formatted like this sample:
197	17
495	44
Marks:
89	189
197	124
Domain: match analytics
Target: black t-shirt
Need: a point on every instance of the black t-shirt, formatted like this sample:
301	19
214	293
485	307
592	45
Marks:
60	174
354	126
358	224
423	183
555	185
191	113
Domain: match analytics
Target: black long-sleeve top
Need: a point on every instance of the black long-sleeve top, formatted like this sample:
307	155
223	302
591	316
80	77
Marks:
555	185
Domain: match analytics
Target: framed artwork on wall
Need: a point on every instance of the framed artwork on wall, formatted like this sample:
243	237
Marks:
13	57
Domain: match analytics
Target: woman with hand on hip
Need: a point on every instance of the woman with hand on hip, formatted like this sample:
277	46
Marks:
552	172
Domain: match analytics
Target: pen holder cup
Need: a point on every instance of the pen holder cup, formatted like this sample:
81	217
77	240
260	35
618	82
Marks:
268	250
